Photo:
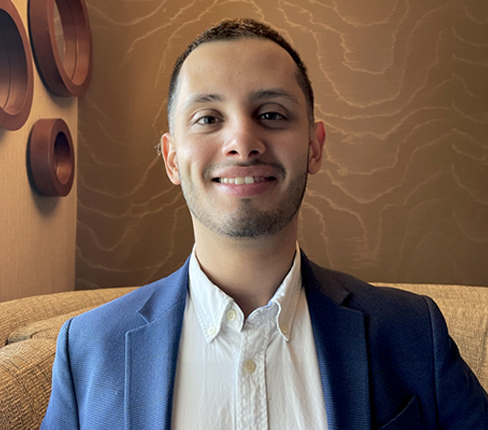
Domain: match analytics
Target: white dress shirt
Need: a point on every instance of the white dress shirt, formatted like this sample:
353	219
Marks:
247	374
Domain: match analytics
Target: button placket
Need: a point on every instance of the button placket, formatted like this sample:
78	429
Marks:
251	390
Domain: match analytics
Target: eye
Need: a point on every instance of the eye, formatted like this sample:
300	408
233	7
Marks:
207	120
271	116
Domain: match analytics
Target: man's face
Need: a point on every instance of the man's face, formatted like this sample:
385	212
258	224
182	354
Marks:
242	146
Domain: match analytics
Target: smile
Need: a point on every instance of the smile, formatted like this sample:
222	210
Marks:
241	180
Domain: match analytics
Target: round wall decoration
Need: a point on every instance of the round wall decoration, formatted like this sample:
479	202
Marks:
61	38
16	70
52	157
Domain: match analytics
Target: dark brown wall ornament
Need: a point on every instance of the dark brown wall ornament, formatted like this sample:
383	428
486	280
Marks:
16	70
63	57
51	157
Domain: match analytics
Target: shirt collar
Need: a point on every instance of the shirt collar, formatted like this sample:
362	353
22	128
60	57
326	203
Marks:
209	301
211	304
287	295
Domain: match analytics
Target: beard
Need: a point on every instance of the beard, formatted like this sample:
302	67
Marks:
247	221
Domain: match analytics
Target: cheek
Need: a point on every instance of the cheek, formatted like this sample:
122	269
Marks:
295	156
191	146
192	159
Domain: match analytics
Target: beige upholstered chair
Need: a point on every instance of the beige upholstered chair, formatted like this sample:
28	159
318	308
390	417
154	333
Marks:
28	331
29	328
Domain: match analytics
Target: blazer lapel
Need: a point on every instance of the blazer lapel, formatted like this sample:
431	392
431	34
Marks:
340	342
151	356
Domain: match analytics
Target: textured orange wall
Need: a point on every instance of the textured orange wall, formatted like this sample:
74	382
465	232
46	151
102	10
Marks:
402	88
37	234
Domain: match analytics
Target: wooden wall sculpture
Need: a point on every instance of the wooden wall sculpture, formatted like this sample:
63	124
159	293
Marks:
65	67
16	71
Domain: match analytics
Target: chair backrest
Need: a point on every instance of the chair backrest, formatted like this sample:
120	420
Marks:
28	331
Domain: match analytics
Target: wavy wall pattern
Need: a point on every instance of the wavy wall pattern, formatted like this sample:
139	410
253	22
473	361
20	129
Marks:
402	88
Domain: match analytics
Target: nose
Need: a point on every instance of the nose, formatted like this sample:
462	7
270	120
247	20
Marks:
243	141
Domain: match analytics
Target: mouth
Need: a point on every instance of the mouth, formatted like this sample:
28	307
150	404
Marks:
244	180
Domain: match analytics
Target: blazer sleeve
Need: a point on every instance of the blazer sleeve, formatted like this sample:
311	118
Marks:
461	400
62	412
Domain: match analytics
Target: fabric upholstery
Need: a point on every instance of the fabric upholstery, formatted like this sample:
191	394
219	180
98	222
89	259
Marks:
445	293
25	381
17	313
47	329
30	326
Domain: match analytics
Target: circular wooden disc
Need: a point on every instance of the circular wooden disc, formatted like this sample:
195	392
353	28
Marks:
65	73
52	157
16	70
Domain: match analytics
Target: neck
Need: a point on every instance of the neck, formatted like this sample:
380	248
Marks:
248	270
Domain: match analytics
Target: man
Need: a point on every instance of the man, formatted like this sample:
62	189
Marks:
249	334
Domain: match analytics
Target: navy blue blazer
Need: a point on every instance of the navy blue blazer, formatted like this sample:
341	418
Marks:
385	357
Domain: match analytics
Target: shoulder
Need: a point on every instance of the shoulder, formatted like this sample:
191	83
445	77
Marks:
382	305
124	313
399	326
347	289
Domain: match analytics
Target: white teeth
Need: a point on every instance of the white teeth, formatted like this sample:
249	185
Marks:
240	181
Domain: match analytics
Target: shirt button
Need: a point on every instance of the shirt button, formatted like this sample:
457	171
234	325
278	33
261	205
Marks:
231	315
249	366
211	330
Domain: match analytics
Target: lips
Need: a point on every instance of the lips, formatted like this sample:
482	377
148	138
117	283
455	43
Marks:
246	175
246	180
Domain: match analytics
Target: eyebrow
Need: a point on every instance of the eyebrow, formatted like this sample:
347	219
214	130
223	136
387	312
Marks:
273	93
267	94
202	99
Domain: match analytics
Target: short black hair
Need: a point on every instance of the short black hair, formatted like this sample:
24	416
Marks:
234	29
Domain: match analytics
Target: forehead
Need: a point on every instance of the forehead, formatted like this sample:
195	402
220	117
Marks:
238	67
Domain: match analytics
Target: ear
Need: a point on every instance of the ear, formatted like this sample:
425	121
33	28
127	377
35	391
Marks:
316	147
170	160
